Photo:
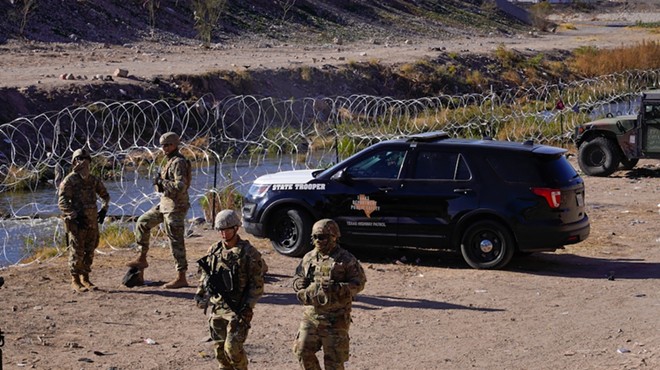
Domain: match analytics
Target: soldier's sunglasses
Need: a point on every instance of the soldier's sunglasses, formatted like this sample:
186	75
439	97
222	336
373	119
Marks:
321	237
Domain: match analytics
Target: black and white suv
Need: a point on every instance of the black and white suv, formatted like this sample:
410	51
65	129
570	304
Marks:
487	199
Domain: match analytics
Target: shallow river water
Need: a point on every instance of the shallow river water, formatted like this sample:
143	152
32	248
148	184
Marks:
35	213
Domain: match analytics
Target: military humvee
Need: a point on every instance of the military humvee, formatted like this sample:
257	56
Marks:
606	143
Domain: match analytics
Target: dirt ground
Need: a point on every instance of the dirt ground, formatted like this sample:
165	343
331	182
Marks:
594	305
40	65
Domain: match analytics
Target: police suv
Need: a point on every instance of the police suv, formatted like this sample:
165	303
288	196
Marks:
485	198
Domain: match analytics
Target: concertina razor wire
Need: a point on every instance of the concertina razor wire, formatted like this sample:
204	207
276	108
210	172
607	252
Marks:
235	139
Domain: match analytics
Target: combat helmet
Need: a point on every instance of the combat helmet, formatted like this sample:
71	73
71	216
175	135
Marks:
80	153
226	219
169	138
326	226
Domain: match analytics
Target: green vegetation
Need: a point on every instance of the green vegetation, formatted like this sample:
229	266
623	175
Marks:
648	25
227	197
116	235
207	14
151	6
21	178
26	10
540	12
44	247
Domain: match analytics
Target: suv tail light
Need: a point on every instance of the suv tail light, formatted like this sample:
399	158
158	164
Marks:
552	196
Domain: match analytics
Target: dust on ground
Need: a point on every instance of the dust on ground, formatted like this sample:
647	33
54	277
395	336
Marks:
593	305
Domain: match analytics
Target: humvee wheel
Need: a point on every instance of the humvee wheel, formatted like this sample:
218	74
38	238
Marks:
628	164
598	157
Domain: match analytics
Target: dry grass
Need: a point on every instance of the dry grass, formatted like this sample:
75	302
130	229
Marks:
592	62
116	236
42	254
19	179
513	77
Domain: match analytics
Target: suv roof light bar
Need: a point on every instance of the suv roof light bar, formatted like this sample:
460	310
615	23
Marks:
428	136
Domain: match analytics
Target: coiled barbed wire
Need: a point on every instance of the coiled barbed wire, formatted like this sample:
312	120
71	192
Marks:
234	139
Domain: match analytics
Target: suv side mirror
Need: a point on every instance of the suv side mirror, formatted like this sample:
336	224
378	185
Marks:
341	176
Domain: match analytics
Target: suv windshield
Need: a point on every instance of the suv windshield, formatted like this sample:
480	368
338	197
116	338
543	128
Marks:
385	164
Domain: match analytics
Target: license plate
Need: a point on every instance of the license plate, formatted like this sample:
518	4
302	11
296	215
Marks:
580	199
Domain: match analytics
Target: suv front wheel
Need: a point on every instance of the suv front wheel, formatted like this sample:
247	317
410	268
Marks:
290	232
487	245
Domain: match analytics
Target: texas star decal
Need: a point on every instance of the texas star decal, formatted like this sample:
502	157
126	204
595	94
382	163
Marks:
363	203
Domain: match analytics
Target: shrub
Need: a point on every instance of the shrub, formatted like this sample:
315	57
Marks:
207	13
222	198
540	12
115	235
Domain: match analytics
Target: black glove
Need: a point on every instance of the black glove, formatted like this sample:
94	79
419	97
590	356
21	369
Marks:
101	217
158	183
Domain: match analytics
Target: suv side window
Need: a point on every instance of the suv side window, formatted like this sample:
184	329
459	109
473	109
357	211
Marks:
385	164
433	165
515	169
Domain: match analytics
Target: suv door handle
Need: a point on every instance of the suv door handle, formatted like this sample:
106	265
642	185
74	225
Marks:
385	189
463	191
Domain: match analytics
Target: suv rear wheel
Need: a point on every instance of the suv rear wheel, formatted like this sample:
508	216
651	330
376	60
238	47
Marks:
290	232
487	245
598	157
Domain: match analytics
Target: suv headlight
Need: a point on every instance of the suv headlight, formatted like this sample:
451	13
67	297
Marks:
258	190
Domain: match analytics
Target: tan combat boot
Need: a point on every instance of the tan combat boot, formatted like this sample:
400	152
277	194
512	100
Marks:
84	278
179	282
140	262
76	285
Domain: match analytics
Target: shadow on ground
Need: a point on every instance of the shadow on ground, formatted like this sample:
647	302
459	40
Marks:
545	264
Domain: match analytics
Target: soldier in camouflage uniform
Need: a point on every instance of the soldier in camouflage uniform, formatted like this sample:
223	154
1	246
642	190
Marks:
326	281
233	280
77	200
172	182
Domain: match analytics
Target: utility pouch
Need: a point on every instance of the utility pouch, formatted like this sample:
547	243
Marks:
227	280
221	282
215	284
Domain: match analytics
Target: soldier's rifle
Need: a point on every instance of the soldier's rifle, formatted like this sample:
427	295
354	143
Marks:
158	183
214	284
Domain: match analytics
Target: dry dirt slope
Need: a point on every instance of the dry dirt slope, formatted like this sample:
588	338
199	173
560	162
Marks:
119	22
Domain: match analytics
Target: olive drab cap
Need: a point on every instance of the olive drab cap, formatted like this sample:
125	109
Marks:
326	226
226	219
82	153
170	138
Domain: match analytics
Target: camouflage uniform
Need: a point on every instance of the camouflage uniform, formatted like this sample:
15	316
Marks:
77	200
175	179
325	282
229	330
